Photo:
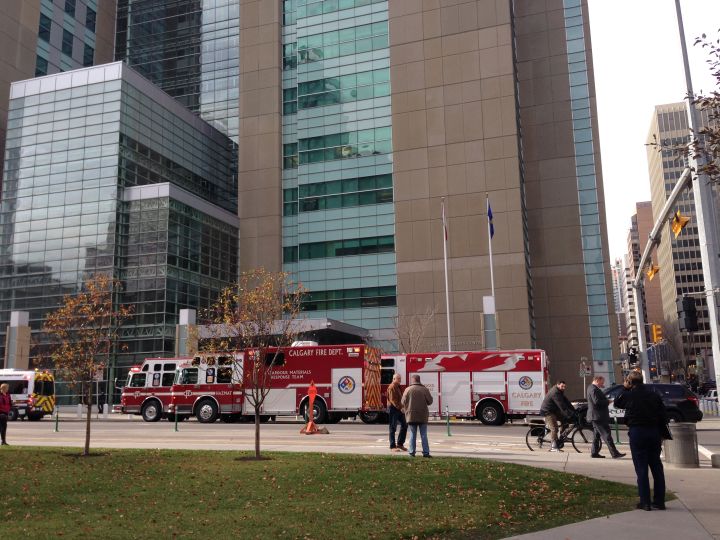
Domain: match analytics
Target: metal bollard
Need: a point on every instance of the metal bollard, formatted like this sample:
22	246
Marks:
682	449
106	410
79	410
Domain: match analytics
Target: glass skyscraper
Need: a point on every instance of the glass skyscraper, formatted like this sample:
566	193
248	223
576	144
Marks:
189	48
338	215
105	173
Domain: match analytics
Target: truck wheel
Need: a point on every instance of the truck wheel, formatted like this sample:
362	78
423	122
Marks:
491	414
13	415
370	417
319	412
206	411
152	411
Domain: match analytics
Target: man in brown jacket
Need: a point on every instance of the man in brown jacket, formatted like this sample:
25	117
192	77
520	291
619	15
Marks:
415	401
394	397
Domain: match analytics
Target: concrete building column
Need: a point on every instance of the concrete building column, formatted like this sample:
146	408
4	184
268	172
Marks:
17	341
186	337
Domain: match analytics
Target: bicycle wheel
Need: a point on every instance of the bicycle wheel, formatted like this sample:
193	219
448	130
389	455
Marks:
537	438
582	440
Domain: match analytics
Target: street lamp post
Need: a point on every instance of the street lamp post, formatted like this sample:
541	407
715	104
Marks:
704	211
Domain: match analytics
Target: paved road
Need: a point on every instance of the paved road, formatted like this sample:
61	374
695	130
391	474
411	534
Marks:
116	431
467	438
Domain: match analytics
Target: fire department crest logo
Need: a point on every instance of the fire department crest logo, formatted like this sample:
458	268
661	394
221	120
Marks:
525	382
346	384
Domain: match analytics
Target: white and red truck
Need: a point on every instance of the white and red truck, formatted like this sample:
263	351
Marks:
490	386
215	386
147	390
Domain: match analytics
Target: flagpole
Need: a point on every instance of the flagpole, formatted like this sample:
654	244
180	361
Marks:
492	277
447	290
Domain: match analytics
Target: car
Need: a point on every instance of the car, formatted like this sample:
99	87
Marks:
681	404
711	395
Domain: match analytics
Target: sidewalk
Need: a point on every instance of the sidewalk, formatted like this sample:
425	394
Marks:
693	515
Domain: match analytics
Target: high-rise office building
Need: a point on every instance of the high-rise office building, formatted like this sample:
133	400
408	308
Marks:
356	117
383	108
640	226
679	258
620	302
41	37
105	173
189	48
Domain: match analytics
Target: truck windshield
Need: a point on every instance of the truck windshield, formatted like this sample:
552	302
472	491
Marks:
137	380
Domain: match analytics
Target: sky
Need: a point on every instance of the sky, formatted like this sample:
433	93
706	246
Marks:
638	64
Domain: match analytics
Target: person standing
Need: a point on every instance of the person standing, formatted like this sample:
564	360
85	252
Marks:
645	415
415	401
599	415
557	410
5	406
395	414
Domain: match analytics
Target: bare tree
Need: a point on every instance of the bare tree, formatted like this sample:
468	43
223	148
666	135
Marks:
707	143
82	333
259	314
411	329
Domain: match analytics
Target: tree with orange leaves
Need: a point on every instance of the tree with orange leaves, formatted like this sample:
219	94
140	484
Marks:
259	313
82	334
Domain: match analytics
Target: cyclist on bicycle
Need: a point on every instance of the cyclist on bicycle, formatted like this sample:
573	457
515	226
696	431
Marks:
558	411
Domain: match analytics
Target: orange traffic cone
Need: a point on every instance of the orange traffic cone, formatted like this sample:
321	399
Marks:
311	428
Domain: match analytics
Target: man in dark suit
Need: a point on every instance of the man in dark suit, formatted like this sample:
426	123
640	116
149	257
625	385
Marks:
599	415
645	416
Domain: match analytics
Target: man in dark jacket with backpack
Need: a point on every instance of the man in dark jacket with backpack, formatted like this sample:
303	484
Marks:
598	414
558	410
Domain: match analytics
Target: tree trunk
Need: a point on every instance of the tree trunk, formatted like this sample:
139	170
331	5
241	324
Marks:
86	452
257	432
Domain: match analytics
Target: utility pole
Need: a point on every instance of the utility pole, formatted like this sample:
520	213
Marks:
704	210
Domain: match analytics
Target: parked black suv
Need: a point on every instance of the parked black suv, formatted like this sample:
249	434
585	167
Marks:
681	404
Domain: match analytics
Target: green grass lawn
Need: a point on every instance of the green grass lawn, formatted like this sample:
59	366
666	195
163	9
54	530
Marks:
53	492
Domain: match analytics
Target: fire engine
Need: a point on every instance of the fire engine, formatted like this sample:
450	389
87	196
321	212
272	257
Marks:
147	389
32	393
212	386
490	386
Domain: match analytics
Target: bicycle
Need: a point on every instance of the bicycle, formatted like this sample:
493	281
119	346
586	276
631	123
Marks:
577	433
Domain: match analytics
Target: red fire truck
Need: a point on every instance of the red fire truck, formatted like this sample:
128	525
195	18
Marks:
487	385
212	386
147	389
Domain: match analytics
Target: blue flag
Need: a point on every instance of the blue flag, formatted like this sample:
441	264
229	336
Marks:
490	216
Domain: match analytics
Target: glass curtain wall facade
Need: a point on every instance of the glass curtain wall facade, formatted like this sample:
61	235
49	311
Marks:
338	214
190	49
590	230
104	173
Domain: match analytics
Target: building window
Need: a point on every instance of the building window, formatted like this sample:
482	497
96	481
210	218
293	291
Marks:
350	298
290	156
90	17
67	43
70	7
290	101
44	31
88	55
41	66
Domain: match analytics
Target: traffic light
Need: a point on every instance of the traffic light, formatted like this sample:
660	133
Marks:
687	314
652	270
656	333
678	223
